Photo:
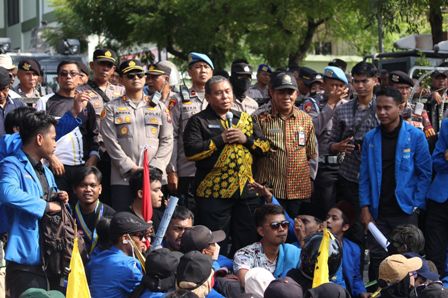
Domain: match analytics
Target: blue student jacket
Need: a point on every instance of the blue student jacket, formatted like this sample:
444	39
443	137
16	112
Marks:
351	267
437	191
412	169
22	204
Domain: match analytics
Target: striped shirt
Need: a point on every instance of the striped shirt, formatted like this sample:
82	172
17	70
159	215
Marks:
293	144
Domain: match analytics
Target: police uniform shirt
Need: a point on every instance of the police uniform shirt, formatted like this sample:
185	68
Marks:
111	91
247	104
128	128
180	113
419	121
258	93
35	94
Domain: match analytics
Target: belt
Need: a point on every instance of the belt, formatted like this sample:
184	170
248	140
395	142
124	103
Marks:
329	159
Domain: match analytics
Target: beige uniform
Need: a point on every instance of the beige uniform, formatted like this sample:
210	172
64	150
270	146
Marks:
128	128
112	91
180	114
248	105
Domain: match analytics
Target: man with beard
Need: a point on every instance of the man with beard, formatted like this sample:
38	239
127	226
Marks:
241	73
271	253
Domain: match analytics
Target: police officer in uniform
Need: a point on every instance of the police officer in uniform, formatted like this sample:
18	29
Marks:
335	86
260	91
240	77
101	91
28	73
306	77
415	114
181	172
129	125
158	83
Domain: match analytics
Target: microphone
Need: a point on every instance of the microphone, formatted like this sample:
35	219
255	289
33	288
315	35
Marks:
229	117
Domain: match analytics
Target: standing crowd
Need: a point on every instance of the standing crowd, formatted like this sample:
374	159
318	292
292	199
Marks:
264	173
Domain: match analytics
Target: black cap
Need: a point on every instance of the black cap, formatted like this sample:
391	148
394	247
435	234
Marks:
200	237
438	73
5	78
159	69
127	223
317	77
241	68
307	74
283	80
194	269
400	77
83	68
338	63
131	65
283	288
105	55
29	65
160	266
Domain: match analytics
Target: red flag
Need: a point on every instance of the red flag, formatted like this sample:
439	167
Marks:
146	200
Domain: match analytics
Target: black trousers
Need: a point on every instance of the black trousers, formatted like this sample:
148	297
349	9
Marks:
385	225
293	206
65	182
104	165
234	216
20	278
324	194
186	192
436	234
121	197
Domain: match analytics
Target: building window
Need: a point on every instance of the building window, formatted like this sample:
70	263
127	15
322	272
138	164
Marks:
13	12
322	48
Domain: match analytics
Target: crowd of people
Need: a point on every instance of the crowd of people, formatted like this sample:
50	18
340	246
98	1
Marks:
264	174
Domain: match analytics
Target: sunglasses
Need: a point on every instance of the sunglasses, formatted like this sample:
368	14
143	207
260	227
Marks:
132	76
276	225
65	74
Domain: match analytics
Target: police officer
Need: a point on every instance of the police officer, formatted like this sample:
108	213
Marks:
335	88
306	76
158	83
129	125
28	73
240	77
436	104
260	91
415	114
181	172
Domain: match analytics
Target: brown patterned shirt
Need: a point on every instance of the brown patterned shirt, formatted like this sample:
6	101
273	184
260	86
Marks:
293	144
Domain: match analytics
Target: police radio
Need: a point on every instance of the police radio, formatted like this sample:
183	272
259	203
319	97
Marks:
185	93
156	97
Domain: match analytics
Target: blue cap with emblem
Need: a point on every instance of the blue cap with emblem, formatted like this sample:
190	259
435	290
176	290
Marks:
335	73
264	67
194	57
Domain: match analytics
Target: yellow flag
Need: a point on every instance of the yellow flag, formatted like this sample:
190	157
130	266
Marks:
321	274
77	281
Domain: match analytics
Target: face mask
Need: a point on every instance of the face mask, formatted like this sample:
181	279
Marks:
240	86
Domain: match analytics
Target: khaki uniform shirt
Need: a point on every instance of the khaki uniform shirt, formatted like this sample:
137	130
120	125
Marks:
180	113
128	128
247	104
112	91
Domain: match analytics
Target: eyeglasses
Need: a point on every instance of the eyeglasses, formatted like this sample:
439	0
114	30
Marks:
65	74
276	225
131	76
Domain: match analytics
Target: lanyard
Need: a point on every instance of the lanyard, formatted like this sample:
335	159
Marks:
357	126
92	236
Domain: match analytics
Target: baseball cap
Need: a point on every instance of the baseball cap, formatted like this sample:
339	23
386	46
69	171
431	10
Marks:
159	69
160	266
424	271
283	288
400	77
200	237
193	270
333	72
194	57
105	55
241	68
6	62
127	223
130	65
5	78
29	65
257	280
283	80
307	74
41	293
394	268
264	67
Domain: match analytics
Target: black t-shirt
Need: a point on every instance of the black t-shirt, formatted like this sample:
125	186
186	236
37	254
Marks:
388	206
90	219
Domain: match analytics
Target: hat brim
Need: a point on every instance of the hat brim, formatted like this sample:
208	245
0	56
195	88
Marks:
156	72
137	69
337	79
113	61
413	264
218	236
286	87
243	73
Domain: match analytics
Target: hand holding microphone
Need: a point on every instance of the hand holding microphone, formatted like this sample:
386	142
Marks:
233	135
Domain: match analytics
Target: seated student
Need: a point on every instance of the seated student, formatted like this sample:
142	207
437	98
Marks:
160	276
271	253
304	274
339	220
181	220
136	186
88	209
115	272
396	275
195	274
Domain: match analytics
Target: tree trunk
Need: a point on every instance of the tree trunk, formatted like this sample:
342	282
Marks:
305	44
436	20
